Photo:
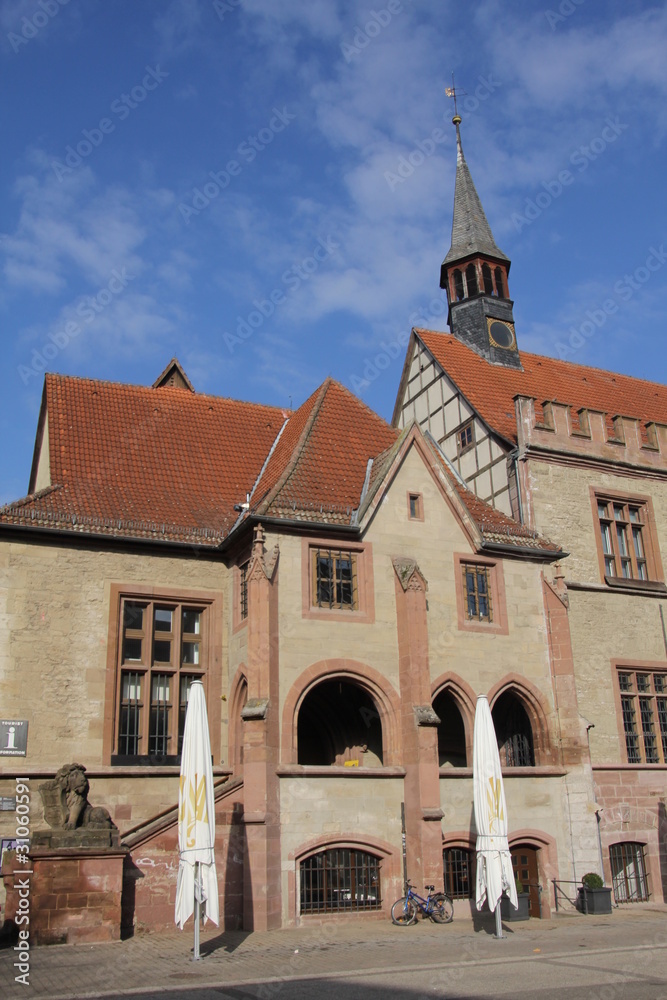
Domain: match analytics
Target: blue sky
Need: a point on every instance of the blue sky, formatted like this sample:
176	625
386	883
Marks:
264	189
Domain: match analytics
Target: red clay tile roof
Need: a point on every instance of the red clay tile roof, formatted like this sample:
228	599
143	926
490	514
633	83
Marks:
134	455
324	475
491	388
167	464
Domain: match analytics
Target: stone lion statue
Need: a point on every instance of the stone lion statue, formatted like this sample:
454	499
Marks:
66	802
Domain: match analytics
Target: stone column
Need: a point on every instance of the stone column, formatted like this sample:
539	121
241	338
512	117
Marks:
261	805
423	812
572	736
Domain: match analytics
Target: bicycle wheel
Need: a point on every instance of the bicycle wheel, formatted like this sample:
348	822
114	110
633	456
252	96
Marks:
443	908
403	912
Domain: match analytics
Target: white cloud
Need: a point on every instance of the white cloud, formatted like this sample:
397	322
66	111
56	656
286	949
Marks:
65	227
178	28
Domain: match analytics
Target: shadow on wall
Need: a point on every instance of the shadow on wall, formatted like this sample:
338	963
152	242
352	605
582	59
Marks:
662	846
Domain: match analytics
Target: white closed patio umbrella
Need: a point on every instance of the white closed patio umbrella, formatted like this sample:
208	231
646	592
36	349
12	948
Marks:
197	885
494	862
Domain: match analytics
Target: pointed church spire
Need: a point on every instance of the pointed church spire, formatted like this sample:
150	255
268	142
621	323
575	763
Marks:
474	274
471	233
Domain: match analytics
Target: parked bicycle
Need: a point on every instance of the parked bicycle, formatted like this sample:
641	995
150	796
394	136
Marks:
437	905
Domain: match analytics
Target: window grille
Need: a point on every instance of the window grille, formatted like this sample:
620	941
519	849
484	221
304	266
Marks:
459	869
340	880
644	714
628	873
514	732
243	591
477	592
334	574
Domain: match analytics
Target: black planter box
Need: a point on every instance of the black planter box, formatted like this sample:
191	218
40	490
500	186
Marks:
507	911
594	900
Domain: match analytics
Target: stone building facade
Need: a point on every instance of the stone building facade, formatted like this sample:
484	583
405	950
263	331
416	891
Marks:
344	597
580	455
346	589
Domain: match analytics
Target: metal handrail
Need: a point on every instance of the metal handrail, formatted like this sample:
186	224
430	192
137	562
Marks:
557	888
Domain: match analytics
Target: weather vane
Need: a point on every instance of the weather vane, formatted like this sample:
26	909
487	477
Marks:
453	92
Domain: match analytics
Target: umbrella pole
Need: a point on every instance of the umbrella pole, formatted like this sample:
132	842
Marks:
197	909
499	923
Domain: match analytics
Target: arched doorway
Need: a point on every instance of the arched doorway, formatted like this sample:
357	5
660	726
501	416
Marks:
526	871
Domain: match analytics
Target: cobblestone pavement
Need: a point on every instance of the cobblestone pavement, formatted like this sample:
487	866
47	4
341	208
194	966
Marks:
162	963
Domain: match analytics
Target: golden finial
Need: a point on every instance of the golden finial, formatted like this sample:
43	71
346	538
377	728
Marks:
453	92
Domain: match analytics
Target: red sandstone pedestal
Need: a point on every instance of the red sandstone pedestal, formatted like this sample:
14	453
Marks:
74	894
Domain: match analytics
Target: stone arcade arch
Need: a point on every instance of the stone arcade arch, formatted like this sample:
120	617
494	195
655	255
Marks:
374	706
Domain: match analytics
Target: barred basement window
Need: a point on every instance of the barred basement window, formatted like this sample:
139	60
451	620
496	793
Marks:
477	592
628	873
340	880
334	579
459	868
644	715
161	652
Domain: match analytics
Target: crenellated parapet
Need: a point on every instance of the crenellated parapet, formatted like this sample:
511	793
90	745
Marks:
590	434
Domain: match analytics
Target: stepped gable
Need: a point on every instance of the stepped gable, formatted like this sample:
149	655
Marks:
324	475
491	388
153	462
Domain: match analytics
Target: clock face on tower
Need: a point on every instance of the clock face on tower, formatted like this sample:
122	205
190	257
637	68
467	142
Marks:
501	333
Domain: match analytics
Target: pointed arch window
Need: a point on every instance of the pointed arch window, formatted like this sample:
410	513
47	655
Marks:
458	285
452	750
513	731
471	280
500	283
488	279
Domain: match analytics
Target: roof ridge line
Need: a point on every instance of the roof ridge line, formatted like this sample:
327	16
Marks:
297	451
53	376
547	357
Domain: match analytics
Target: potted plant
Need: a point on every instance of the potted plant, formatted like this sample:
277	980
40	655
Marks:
507	911
594	896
